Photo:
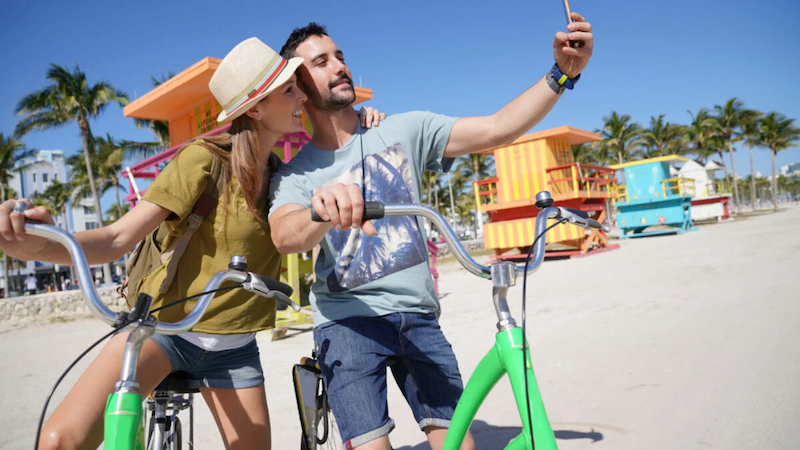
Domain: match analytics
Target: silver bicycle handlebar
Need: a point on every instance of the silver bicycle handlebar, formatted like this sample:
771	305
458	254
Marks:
551	212
101	311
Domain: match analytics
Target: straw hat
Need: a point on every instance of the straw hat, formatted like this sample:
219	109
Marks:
248	74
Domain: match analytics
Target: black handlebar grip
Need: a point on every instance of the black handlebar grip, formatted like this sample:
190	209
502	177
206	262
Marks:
594	224
275	285
578	212
372	210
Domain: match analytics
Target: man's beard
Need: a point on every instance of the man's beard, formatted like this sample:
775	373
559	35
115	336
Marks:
335	101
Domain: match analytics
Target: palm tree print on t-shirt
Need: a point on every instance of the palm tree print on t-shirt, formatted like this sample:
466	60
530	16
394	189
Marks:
397	243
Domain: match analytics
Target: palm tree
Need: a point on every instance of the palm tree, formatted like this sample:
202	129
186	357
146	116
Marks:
592	153
114	212
56	196
12	152
751	135
476	166
70	98
696	137
661	137
620	137
110	155
726	123
778	133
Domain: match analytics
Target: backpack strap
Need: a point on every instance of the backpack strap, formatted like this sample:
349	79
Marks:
207	202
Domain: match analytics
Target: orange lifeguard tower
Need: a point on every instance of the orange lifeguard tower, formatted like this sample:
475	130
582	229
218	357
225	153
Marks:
186	103
542	161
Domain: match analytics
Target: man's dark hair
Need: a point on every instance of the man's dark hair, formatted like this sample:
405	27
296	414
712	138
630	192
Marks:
299	35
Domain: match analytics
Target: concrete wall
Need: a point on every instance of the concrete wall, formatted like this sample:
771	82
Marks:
44	308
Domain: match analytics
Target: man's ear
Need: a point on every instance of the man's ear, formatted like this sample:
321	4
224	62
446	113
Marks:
304	79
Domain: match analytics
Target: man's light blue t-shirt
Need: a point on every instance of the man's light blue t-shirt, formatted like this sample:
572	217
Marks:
359	275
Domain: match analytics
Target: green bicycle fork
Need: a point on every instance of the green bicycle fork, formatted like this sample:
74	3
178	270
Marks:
504	357
123	422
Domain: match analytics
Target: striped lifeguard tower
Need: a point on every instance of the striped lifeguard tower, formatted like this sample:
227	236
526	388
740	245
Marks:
186	103
543	161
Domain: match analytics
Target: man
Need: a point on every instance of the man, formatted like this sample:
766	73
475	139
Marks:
373	301
31	285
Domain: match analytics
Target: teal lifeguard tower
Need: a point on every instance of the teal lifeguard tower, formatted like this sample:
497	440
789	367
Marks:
652	197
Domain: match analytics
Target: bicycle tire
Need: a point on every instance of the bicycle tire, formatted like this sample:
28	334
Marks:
177	435
326	429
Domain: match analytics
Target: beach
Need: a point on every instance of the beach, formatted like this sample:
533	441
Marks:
687	341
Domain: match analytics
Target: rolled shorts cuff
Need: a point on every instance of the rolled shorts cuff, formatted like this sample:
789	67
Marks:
231	383
443	423
370	435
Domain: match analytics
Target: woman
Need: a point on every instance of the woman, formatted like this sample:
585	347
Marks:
258	92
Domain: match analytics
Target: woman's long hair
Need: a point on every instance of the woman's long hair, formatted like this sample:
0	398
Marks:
238	150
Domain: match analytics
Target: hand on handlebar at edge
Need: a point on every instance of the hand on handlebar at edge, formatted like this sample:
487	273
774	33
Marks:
12	227
343	206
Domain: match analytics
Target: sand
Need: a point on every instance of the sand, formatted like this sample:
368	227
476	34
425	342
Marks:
686	341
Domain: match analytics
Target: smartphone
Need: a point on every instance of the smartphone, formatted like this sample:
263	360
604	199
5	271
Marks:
573	44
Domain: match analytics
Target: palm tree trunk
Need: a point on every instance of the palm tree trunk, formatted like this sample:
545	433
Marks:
5	276
724	166
752	179
86	135
2	192
736	202
119	211
774	182
478	222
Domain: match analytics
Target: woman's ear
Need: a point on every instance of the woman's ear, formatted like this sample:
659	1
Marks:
253	113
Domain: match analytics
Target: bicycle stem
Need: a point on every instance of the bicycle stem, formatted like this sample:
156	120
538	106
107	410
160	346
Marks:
130	358
502	274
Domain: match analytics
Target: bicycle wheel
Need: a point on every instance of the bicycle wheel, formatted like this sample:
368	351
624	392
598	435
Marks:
174	438
326	429
318	425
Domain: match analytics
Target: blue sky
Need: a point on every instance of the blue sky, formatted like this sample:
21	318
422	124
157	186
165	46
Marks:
457	58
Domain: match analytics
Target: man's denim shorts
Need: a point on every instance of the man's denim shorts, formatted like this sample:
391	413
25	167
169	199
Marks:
237	368
353	355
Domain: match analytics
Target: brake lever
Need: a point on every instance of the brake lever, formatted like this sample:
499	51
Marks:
256	286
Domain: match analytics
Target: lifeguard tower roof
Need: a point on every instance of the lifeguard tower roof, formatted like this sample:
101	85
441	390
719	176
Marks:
568	134
671	159
174	97
186	103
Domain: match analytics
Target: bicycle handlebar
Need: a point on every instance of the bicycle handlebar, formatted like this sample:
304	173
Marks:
252	282
573	216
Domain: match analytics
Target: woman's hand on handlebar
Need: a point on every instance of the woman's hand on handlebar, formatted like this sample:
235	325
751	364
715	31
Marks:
12	227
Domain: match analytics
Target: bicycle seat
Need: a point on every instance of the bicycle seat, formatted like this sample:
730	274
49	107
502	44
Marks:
177	382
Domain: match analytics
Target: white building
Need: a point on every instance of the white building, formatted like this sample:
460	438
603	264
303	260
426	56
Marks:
703	176
37	174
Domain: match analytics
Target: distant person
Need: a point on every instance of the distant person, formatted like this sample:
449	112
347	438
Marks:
31	285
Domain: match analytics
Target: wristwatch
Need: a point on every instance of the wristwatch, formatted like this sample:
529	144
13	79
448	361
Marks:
558	81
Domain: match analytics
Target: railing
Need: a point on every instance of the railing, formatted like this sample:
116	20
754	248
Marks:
723	187
622	194
149	168
486	188
680	186
577	178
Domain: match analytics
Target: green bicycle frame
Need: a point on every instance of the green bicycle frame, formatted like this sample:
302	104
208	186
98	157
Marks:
504	357
123	422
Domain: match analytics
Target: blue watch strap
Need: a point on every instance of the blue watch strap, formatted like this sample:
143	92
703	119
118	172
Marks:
562	79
